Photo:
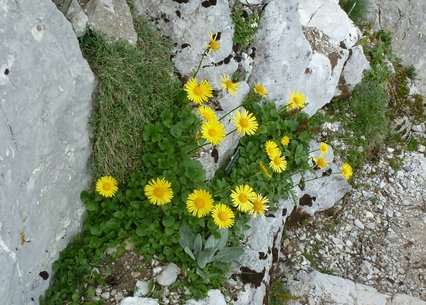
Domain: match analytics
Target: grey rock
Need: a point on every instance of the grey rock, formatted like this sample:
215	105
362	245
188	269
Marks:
138	301
214	297
141	289
113	19
105	295
405	20
188	25
359	224
77	18
319	59
169	275
320	288
45	103
353	70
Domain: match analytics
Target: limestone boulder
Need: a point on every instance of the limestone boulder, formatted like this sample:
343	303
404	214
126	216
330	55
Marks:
188	24
319	288
77	18
405	20
113	19
302	46
45	103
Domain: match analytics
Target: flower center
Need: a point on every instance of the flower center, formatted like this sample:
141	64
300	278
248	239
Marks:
214	45
198	91
223	216
244	122
212	132
257	206
277	160
296	100
107	186
200	203
158	192
229	84
242	197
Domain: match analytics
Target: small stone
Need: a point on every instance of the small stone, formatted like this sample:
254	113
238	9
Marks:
421	148
98	291
359	224
169	275
157	270
368	214
141	289
105	295
401	271
390	149
371	225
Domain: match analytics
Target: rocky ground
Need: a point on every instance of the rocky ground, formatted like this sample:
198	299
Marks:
376	235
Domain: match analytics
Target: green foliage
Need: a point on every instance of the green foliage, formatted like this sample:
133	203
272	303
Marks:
135	84
279	294
357	10
214	250
369	104
411	72
245	25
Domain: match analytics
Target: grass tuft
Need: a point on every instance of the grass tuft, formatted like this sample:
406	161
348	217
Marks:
357	10
135	84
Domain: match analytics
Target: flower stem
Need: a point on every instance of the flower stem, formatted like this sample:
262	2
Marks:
199	64
223	116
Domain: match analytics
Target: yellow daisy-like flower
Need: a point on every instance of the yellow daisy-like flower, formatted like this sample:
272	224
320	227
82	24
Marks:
214	45
260	89
198	93
245	122
324	148
242	197
213	131
297	100
347	171
207	113
229	85
223	216
106	186
272	149
285	140
321	162
199	203
264	170
278	163
159	191
259	205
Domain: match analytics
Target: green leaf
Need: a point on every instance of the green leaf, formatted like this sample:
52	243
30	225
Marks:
91	205
96	231
197	244
186	237
211	242
140	232
176	131
224	234
168	221
189	252
205	257
228	254
119	214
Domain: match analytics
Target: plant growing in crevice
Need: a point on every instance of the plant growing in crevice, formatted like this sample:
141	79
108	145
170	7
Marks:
357	10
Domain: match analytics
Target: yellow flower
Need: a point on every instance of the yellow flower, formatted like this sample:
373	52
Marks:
229	85
347	171
223	216
278	163
272	149
324	148
213	131
297	100
213	44
199	203
285	140
259	205
159	191
260	89
207	113
242	197
198	93
264	169
245	122
106	186
321	162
